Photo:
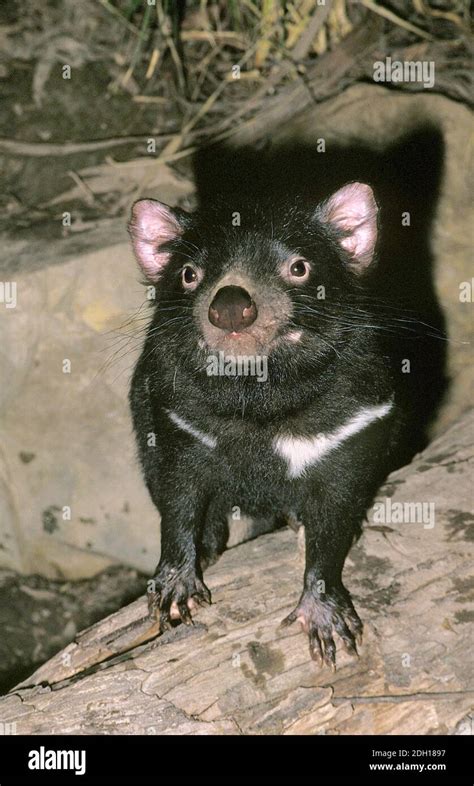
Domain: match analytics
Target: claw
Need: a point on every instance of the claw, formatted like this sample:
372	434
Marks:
165	622
289	620
346	635
355	625
153	605
315	648
329	656
184	613
205	594
351	648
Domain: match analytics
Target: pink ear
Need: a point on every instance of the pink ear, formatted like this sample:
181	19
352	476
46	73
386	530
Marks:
353	212
151	225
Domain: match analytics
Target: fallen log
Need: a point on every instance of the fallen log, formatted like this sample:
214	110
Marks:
235	671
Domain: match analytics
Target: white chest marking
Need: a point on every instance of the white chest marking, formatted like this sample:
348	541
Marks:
301	452
209	442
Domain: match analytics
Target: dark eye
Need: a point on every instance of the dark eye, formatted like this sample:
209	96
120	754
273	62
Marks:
296	269
190	277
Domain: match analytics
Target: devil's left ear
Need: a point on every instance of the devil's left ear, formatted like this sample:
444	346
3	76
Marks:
352	212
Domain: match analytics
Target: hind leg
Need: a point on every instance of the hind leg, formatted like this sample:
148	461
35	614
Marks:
214	538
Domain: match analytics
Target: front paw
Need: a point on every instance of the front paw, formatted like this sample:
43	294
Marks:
173	593
322	613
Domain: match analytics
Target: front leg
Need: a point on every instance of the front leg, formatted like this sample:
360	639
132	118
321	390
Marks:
337	499
177	586
326	607
180	493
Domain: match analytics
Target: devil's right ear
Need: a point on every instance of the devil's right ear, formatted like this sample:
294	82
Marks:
352	213
152	225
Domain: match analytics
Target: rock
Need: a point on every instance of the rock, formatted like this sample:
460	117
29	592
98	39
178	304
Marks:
79	503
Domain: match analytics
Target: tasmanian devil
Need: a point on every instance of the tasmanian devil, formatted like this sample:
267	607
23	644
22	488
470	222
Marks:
310	439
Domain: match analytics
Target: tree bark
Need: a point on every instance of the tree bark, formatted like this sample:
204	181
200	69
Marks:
236	672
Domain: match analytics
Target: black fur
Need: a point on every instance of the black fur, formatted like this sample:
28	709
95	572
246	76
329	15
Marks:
343	363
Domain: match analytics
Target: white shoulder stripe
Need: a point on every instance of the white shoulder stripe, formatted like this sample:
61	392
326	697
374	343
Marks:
301	452
209	442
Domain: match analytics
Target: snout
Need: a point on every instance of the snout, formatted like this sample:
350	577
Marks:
232	309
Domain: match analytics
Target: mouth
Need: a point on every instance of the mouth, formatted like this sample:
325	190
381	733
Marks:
245	342
234	334
236	342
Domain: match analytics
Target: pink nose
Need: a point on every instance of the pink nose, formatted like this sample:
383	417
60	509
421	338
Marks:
232	309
